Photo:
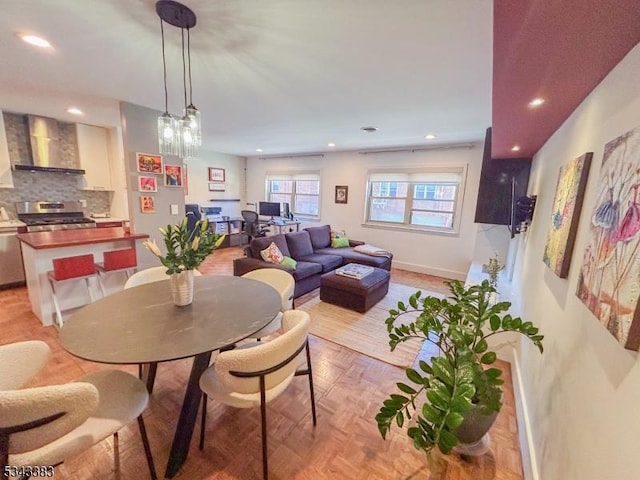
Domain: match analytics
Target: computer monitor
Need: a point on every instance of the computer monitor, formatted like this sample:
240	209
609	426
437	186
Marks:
285	210
269	209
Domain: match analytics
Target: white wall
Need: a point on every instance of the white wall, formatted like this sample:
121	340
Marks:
445	255
198	177
583	393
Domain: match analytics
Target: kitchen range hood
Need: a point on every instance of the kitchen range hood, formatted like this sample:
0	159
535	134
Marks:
45	144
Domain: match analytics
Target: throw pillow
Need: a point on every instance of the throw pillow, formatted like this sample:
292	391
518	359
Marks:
272	254
339	242
289	262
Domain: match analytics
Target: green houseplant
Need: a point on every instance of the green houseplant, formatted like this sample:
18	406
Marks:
459	387
186	250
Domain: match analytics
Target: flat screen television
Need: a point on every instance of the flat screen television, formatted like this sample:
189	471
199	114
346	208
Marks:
502	183
269	209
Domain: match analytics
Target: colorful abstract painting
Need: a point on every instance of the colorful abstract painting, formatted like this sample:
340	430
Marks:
565	215
609	282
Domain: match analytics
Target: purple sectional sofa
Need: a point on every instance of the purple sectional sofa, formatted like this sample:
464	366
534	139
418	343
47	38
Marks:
311	248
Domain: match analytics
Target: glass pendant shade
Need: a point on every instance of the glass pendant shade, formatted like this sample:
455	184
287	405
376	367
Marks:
167	134
195	123
187	147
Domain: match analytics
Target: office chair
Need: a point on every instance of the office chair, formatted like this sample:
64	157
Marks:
192	211
252	226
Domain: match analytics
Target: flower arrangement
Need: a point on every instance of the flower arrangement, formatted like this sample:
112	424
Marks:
186	249
493	268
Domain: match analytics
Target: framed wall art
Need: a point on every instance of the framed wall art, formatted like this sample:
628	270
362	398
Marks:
609	280
173	175
216	187
147	184
567	204
342	193
216	174
147	204
149	163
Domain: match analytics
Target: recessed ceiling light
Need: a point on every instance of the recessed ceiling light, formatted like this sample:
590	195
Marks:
75	111
515	148
536	102
331	144
430	136
259	150
369	129
35	40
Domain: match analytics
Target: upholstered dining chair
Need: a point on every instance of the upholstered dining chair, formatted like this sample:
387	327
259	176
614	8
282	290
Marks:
149	275
251	377
284	284
45	426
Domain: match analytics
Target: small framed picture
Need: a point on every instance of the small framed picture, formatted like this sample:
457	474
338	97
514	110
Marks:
147	184
342	192
173	175
216	187
146	204
216	174
148	163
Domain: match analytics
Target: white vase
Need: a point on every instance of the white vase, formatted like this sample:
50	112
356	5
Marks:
182	288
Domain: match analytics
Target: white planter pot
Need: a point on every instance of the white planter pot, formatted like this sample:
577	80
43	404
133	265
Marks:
182	288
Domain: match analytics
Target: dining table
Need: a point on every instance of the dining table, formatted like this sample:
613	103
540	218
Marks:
141	325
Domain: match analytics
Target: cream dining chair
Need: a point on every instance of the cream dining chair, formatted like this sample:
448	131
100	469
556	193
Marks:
150	275
254	376
44	426
284	284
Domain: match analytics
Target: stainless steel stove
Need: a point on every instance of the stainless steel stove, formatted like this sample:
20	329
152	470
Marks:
50	216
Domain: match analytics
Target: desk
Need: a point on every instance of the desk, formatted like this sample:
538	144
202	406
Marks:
280	224
142	325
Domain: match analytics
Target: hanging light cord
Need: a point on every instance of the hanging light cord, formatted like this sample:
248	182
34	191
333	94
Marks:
189	60
164	69
184	70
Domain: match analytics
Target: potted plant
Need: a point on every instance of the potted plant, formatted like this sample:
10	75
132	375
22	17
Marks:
186	250
456	397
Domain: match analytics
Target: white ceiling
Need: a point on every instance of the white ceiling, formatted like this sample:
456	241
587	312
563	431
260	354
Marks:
287	76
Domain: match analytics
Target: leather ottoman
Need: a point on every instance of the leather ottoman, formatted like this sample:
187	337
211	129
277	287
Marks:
355	294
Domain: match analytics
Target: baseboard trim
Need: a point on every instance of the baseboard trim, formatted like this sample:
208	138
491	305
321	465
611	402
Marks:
527	447
438	272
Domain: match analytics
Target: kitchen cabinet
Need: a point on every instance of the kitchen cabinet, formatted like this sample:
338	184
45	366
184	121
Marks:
6	177
93	154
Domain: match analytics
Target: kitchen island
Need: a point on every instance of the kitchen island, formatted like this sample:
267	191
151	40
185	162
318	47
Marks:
40	248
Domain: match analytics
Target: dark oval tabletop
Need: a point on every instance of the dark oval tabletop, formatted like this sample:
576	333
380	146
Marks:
142	325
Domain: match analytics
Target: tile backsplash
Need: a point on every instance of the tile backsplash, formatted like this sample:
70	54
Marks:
34	186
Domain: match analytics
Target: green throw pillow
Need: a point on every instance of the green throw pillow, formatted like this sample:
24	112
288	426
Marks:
289	262
339	242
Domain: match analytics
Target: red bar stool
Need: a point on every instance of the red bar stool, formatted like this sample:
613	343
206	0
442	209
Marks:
117	261
71	268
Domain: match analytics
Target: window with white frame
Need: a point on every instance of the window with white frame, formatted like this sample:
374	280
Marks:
428	198
301	190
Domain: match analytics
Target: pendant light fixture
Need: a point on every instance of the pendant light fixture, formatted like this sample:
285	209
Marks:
178	137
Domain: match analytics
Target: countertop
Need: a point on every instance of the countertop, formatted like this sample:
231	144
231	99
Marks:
12	224
80	236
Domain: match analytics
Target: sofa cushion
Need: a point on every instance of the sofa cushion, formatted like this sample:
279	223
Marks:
260	243
320	236
350	256
328	262
299	244
305	269
272	254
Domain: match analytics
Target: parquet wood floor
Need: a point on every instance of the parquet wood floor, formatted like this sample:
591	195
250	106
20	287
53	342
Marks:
345	444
